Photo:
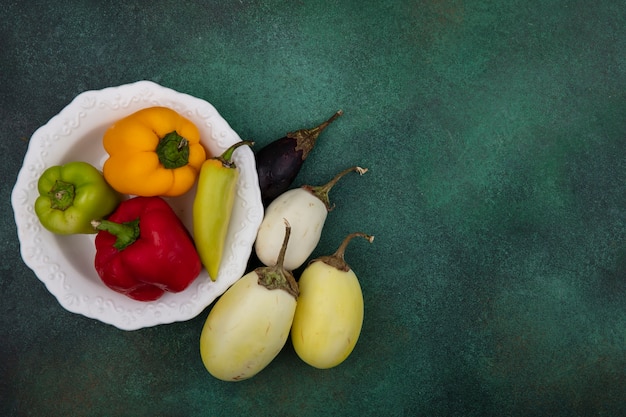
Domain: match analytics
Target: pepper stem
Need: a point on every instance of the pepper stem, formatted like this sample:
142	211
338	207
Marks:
321	191
306	138
173	151
62	195
277	277
226	157
336	260
126	233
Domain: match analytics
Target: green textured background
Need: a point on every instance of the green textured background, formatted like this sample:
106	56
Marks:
495	135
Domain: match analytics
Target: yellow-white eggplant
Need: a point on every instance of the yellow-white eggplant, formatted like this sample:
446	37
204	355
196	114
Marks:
329	314
306	209
249	324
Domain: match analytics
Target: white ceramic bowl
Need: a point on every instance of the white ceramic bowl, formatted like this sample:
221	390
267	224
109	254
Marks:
65	263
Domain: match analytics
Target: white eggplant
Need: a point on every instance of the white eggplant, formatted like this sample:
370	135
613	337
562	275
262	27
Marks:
329	314
306	209
249	324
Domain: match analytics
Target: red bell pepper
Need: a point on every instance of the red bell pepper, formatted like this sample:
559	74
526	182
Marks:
144	250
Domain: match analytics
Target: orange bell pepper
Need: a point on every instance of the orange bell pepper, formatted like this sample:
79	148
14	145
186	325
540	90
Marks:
153	152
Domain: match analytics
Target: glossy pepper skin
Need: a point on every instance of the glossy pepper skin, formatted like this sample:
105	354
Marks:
153	152
213	206
71	196
144	250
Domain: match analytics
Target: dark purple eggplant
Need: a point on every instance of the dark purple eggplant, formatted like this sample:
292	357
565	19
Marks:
279	162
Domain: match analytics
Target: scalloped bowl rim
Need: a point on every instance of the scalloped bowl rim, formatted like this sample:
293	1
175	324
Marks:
65	263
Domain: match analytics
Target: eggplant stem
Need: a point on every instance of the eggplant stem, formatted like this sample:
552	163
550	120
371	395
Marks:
329	121
277	277
330	184
321	191
306	138
283	250
340	252
336	260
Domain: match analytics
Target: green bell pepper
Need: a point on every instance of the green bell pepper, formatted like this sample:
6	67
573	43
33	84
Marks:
71	196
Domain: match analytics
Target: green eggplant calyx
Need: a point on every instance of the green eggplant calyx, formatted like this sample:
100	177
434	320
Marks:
321	191
173	151
126	233
62	195
306	138
275	280
277	277
336	260
226	158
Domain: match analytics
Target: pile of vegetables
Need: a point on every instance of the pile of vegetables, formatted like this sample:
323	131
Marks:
143	250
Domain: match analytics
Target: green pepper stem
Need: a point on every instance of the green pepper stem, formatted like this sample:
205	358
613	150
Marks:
306	138
62	195
321	191
126	233
226	157
173	151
